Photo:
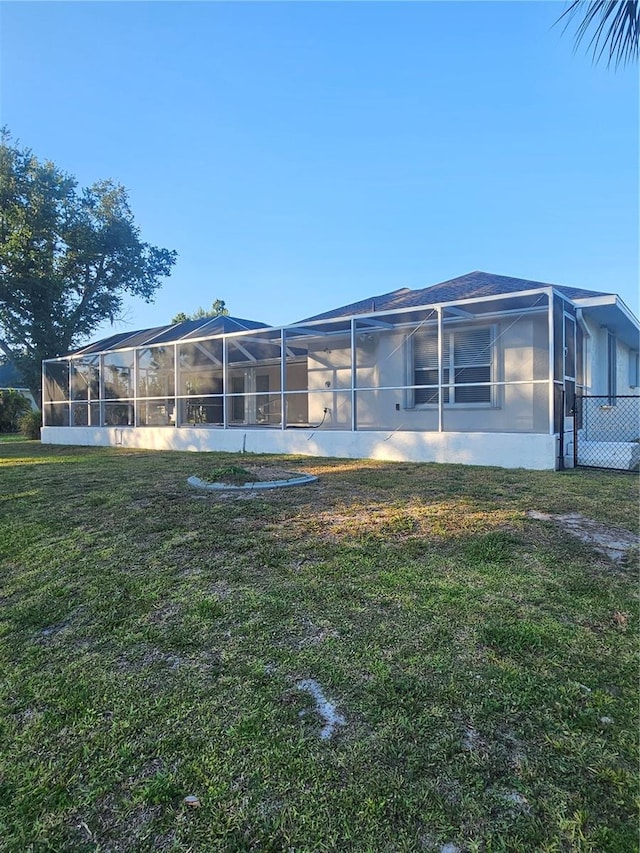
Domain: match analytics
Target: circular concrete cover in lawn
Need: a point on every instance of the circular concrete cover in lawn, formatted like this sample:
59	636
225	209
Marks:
249	478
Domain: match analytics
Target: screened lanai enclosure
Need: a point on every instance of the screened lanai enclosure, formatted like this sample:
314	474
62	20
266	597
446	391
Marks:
500	365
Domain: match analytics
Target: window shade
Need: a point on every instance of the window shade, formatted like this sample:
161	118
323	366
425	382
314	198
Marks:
472	347
426	351
470	350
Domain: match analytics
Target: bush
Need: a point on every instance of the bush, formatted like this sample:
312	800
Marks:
232	475
13	405
30	424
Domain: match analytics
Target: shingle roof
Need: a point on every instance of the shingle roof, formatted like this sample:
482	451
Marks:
473	284
10	376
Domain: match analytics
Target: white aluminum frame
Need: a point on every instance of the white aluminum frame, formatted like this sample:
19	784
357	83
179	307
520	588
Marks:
320	326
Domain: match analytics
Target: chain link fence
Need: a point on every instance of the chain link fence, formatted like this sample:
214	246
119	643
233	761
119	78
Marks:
607	432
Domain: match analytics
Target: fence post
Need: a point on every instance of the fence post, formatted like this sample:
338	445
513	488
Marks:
577	402
561	447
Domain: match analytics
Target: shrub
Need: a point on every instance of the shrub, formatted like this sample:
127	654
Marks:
30	424
232	475
13	405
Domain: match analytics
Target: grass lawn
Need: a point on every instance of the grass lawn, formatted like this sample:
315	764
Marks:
154	641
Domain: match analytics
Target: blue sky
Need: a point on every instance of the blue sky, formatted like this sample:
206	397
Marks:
300	156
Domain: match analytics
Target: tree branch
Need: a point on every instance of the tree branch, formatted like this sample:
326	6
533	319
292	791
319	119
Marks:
17	334
6	349
91	287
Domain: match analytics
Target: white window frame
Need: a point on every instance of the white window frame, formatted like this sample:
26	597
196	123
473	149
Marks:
449	388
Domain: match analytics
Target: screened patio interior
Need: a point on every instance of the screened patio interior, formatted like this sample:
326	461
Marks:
484	365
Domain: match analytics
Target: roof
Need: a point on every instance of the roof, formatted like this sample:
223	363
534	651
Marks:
10	376
171	333
469	286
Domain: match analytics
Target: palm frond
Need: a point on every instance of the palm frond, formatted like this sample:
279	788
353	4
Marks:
615	25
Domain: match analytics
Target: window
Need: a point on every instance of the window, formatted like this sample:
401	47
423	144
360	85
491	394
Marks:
467	356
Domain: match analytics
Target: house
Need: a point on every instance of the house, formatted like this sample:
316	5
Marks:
482	369
10	379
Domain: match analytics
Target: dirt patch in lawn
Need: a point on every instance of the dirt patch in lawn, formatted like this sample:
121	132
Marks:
613	542
268	473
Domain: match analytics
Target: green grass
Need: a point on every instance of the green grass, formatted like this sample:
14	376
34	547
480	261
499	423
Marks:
10	436
231	474
152	638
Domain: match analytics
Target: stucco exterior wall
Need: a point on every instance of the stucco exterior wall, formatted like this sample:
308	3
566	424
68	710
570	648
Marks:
597	362
615	420
623	385
383	360
329	382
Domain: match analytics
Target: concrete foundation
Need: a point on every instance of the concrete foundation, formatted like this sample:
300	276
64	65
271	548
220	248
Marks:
505	450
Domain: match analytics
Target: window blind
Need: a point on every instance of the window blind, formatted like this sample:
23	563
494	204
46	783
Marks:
468	351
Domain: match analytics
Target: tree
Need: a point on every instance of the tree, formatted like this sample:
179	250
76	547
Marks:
13	405
617	27
67	259
218	309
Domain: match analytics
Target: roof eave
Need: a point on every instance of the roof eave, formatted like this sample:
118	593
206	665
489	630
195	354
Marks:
612	313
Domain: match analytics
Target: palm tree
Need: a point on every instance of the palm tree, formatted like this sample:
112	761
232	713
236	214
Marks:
617	28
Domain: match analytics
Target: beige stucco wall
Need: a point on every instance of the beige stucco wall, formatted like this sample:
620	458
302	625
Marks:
601	421
521	355
597	362
329	379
